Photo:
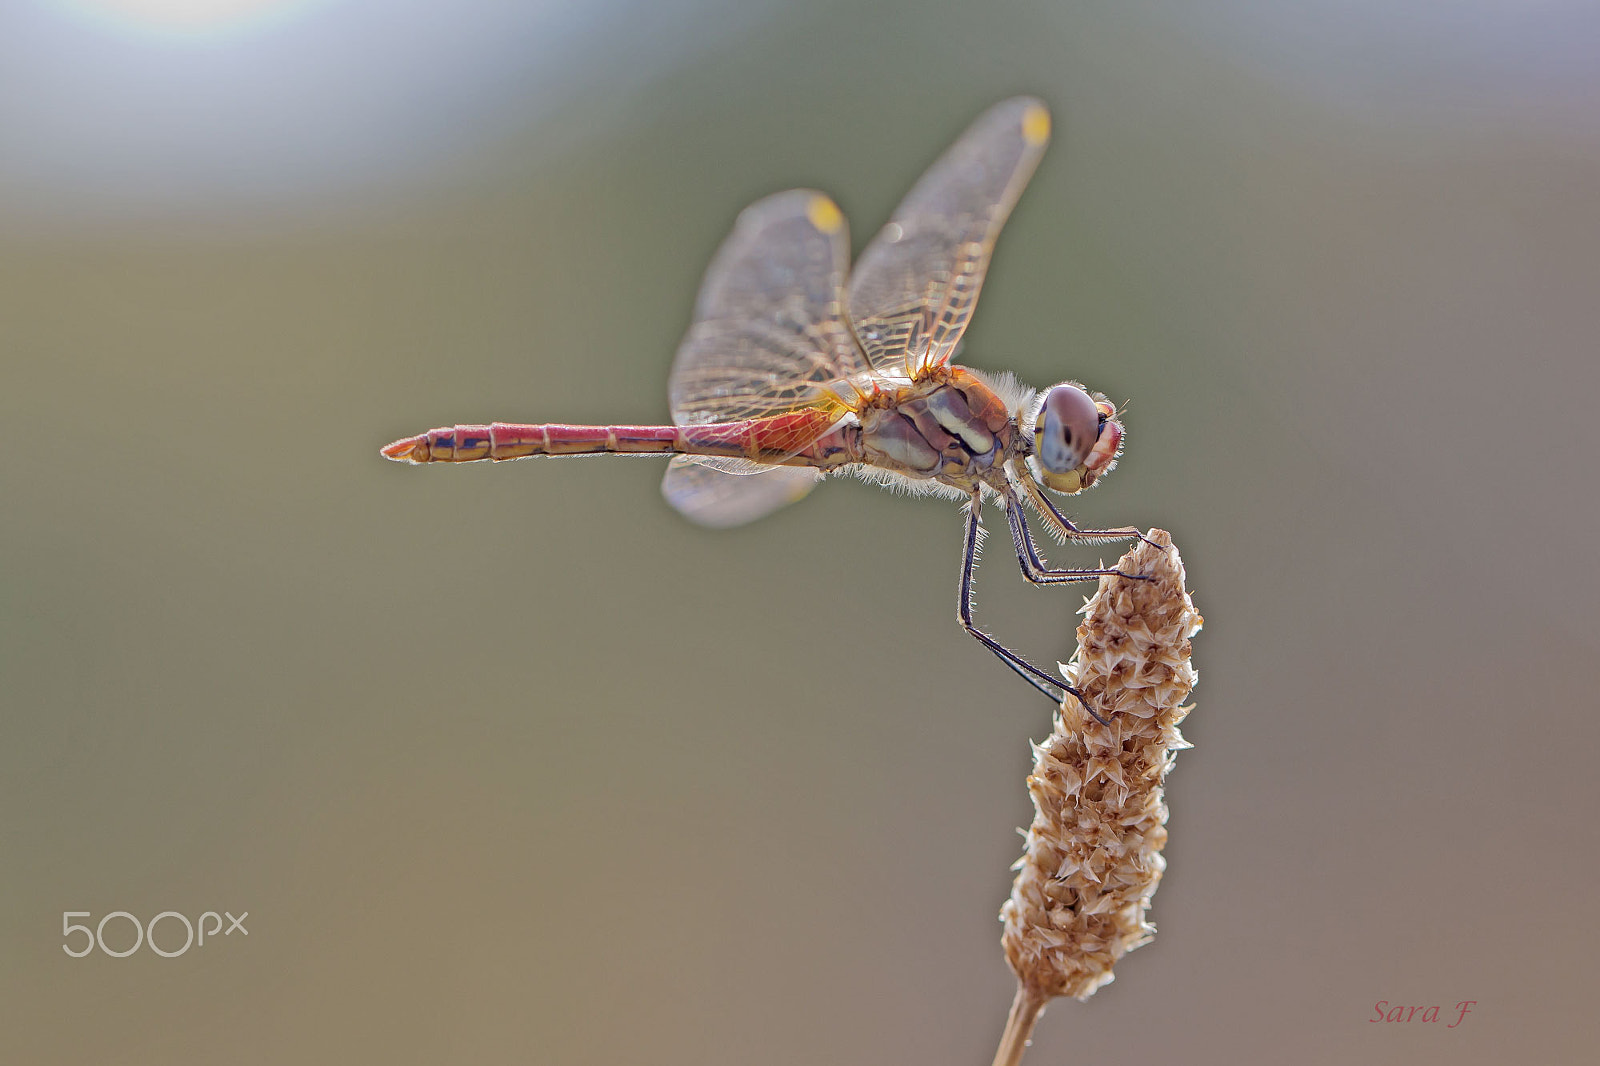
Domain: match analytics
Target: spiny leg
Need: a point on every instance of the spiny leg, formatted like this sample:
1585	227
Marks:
1064	525
1055	689
1033	568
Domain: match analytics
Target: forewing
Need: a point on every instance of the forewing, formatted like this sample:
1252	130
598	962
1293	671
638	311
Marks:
914	288
770	333
720	492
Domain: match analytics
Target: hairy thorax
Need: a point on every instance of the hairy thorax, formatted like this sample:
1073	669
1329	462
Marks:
947	426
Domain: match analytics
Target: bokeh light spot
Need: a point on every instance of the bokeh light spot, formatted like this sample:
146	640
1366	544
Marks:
183	15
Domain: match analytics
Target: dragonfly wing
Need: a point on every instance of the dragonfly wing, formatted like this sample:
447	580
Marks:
914	288
721	492
770	333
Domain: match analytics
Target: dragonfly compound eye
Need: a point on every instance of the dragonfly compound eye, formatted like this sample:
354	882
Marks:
1066	429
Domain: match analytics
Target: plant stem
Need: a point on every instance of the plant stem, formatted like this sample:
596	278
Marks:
1025	1011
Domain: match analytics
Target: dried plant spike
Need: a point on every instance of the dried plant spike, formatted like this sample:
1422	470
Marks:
1093	855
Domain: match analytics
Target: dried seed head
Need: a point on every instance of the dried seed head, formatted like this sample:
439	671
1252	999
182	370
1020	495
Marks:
1093	856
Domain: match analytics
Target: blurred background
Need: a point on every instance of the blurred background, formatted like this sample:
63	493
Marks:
510	763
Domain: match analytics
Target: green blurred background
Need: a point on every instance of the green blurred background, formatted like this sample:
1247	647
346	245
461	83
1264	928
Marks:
510	763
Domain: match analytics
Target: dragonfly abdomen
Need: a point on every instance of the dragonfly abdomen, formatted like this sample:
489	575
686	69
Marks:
511	440
760	440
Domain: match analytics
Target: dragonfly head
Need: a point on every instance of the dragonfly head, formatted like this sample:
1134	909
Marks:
1076	438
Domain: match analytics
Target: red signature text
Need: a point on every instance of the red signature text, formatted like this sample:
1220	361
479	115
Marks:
1383	1011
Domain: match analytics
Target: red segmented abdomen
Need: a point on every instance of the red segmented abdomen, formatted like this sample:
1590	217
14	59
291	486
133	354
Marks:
771	440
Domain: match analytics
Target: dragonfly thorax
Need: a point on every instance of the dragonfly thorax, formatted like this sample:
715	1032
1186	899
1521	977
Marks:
947	426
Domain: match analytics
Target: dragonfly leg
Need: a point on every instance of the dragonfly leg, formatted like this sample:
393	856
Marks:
1052	687
1033	568
1065	526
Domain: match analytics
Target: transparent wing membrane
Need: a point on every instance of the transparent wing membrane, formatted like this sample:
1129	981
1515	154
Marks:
730	492
769	333
914	288
729	464
769	337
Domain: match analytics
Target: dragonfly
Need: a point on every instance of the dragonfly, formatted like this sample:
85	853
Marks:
797	366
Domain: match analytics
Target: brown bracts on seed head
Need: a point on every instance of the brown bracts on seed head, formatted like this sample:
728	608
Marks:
1093	856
